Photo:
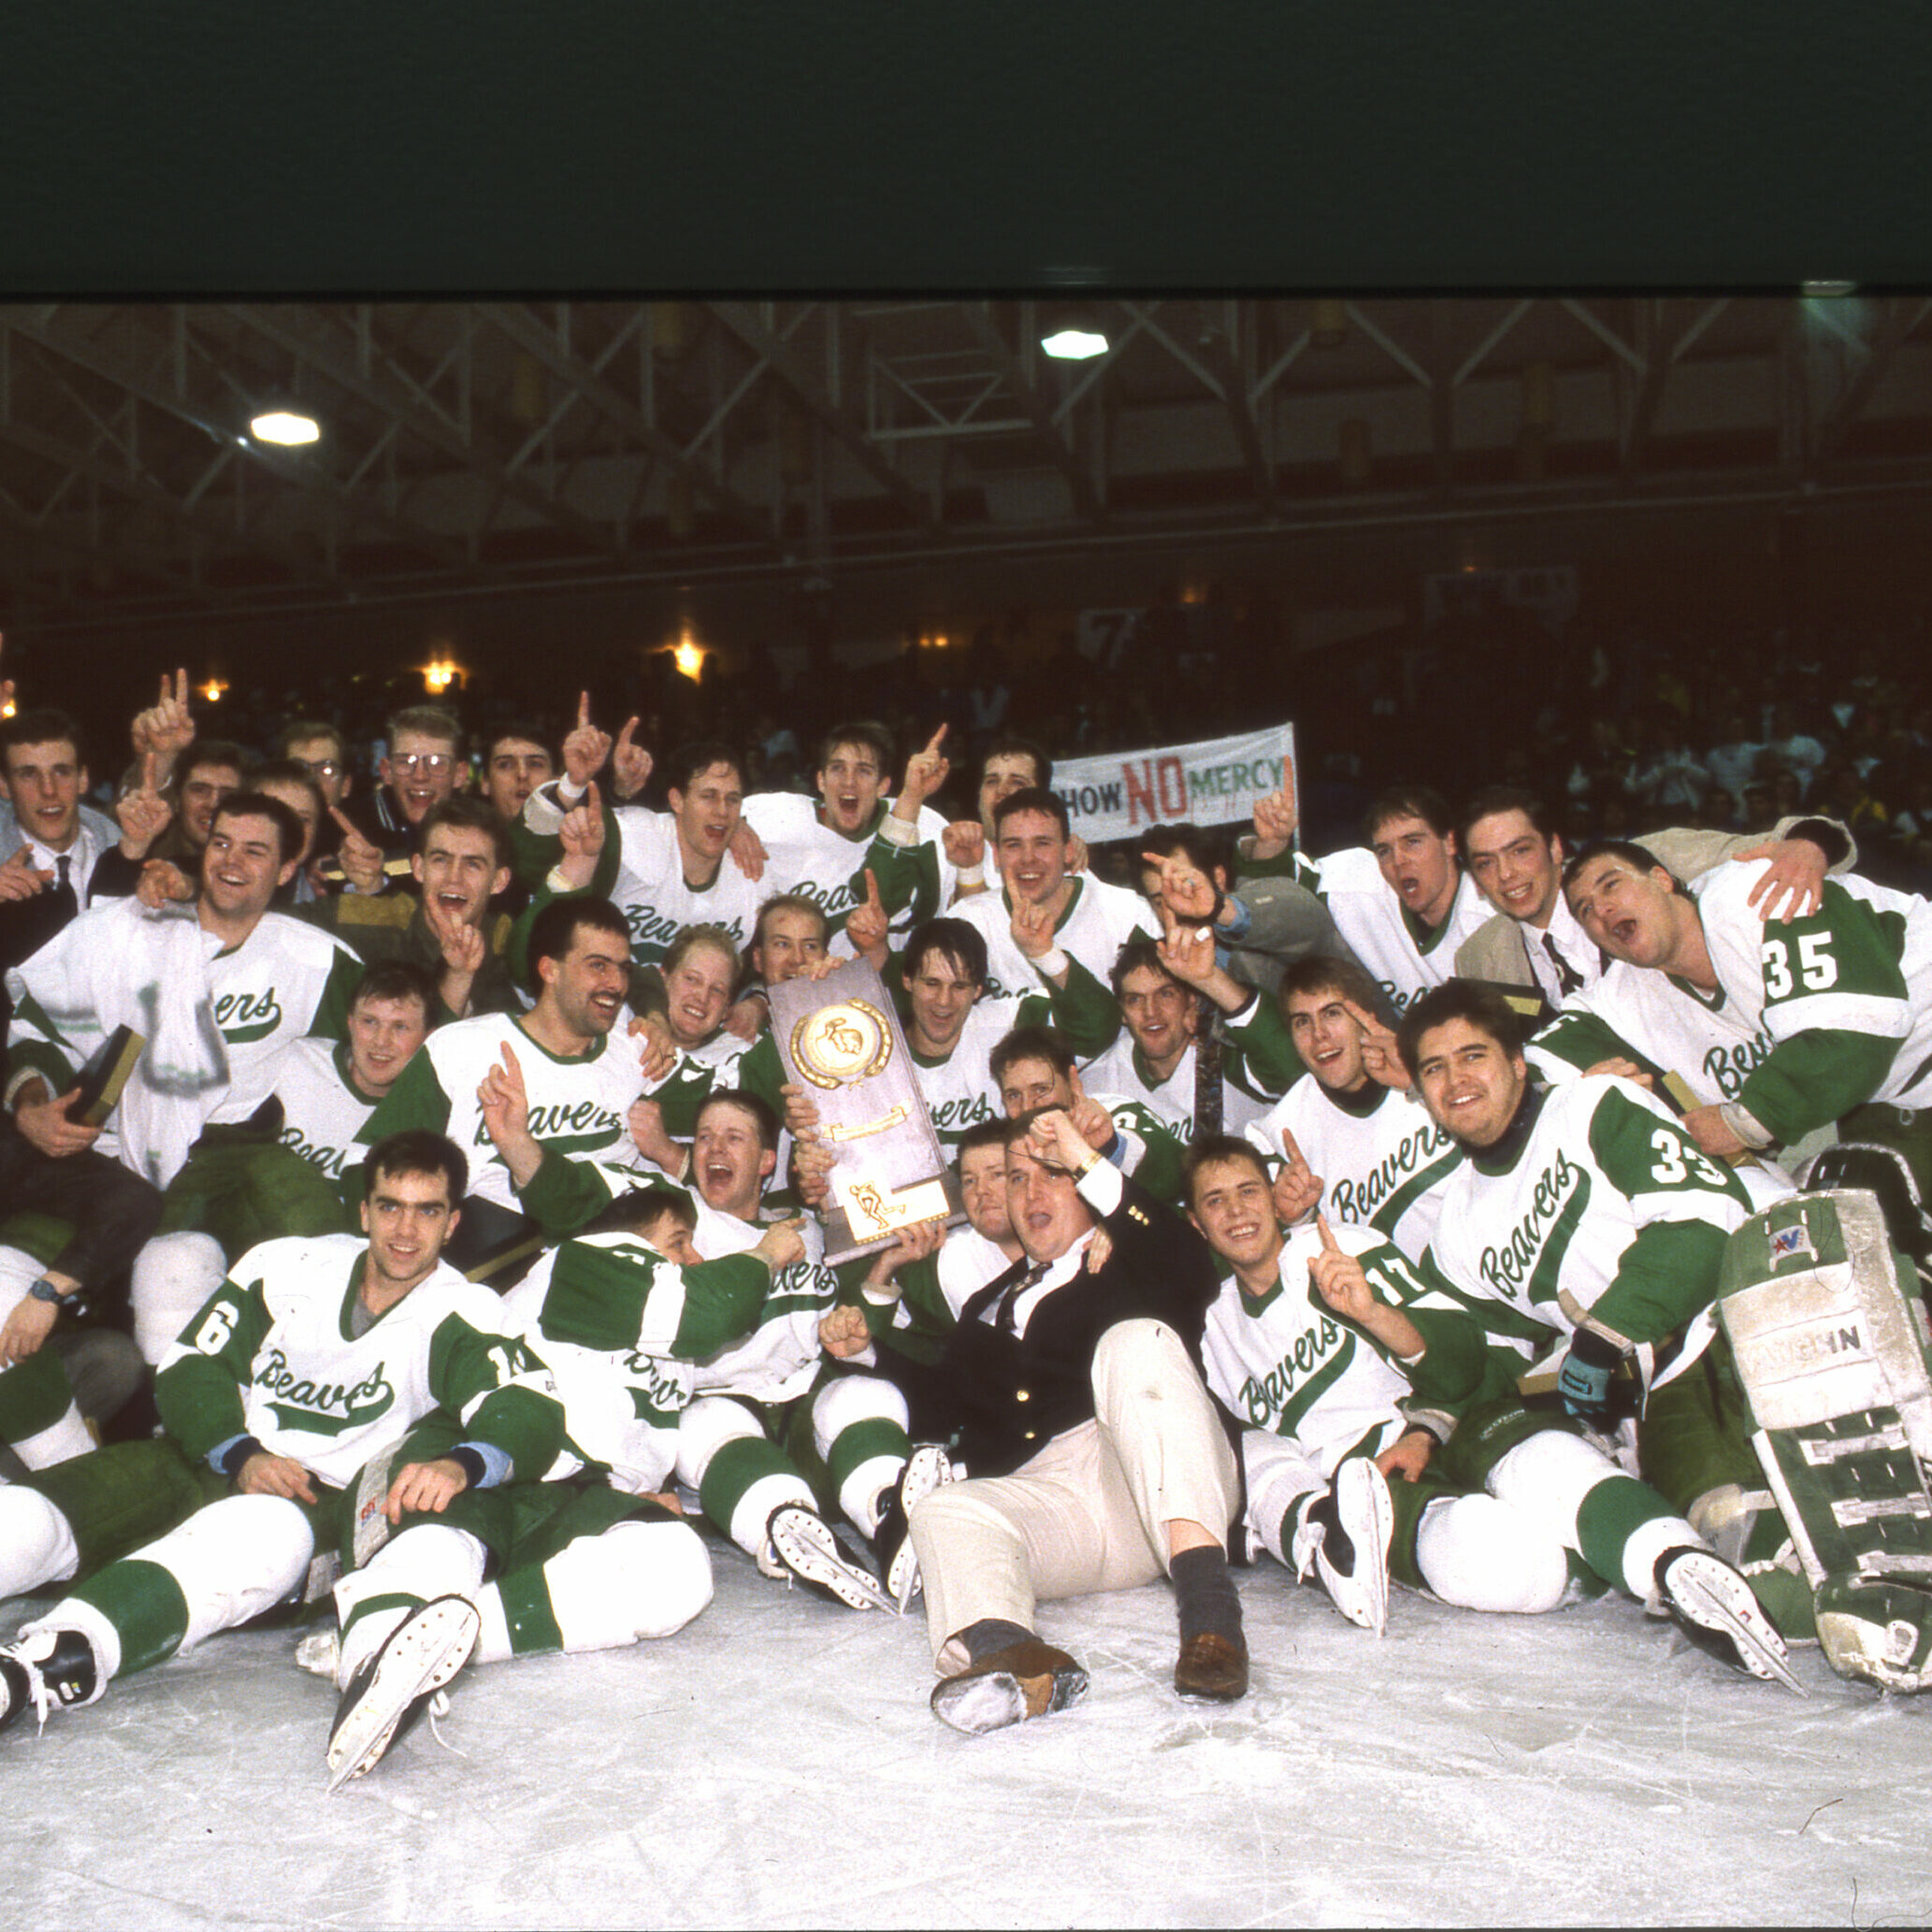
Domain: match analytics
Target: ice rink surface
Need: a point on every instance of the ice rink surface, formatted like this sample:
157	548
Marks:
776	1764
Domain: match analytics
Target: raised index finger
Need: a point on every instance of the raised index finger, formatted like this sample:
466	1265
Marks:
934	743
582	709
1329	1243
1294	1154
1366	1021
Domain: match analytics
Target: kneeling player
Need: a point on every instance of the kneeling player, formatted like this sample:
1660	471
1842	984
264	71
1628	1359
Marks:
1520	1512
312	1360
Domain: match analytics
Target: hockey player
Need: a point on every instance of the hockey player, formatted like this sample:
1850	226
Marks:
1083	918
823	851
546	1094
1840	999
663	870
1358	1141
1586	1224
751	1421
311	1361
595	1556
291	1180
218	991
1404	905
1162	989
1307	1347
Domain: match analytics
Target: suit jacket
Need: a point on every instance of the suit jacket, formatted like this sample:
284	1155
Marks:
1007	1396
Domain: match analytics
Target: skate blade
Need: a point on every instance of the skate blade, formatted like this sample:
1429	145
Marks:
1759	1652
809	1559
431	1652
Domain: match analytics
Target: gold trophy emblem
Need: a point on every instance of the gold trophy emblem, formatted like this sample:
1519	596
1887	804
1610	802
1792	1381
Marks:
849	1040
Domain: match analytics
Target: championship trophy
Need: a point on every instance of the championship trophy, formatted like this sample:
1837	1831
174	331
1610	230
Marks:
841	1042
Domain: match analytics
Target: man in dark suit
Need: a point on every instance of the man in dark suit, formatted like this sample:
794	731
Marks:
1096	1457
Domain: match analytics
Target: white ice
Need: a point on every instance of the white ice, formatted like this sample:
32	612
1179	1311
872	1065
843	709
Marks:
776	1764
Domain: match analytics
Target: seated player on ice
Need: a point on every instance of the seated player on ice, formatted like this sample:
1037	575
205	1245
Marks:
594	1556
311	1362
1308	1348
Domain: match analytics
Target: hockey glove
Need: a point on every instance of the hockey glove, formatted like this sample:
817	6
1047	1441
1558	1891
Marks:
1584	1379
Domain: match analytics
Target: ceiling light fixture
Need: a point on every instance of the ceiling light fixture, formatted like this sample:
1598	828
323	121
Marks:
1071	334
286	426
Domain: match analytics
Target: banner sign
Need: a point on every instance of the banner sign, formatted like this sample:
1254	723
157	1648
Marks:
1121	793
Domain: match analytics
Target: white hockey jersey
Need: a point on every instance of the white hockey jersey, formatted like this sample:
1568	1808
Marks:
1383	1167
579	1108
1377	925
277	1334
1098	920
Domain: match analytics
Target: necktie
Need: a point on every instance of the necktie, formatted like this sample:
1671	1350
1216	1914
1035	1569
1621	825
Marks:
1568	980
1207	1077
64	884
1004	1320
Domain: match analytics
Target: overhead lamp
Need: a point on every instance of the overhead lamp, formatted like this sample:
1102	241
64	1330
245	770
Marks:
287	427
214	688
439	674
688	654
1072	334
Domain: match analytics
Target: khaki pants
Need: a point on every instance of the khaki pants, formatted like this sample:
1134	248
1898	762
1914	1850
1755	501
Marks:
1088	1512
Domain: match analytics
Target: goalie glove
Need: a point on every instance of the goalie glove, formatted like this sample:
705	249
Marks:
1583	1381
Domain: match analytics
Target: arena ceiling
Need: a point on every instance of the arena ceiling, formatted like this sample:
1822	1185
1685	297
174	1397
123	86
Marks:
530	445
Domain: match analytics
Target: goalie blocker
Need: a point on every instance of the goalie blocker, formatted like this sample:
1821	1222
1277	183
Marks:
1831	1344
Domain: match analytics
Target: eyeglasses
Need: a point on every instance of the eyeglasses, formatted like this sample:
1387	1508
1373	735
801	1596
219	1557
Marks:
430	761
319	768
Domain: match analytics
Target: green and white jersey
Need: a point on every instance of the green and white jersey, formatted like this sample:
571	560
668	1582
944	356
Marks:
1599	1207
1098	920
1151	1148
1405	958
1258	1061
1845	996
805	856
1286	1364
781	1356
107	969
1384	1162
273	1354
1663	1024
959	1090
322	1115
579	1108
619	1326
641	872
695	1071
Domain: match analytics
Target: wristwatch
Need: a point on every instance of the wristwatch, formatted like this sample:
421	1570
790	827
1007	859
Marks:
44	1291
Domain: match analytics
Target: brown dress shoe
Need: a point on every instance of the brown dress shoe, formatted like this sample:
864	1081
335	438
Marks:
1212	1667
1023	1681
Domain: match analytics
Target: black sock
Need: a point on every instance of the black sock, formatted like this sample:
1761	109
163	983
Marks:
991	1634
1204	1597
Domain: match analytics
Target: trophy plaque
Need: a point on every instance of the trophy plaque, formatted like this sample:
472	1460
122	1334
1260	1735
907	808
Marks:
841	1042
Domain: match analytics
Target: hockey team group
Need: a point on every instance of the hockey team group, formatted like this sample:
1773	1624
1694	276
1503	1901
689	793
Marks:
1513	1223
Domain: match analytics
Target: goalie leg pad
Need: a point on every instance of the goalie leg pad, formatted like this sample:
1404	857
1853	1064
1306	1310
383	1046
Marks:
1878	1630
1831	1352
